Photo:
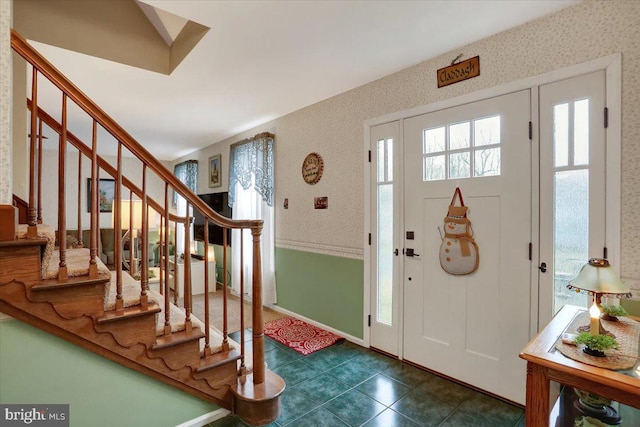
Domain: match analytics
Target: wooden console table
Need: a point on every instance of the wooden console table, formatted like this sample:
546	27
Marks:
176	281
546	364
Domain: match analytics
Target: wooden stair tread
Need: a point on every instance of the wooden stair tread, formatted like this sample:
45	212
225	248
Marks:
24	242
176	338
51	284
218	359
128	313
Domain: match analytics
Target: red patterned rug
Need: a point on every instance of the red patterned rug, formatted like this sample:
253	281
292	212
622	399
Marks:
300	336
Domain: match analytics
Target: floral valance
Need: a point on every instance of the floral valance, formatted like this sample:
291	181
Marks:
187	173
251	162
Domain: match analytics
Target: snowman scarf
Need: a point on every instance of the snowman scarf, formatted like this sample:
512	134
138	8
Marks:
458	251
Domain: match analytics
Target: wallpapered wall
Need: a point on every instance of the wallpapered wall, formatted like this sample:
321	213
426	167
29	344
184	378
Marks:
6	100
334	127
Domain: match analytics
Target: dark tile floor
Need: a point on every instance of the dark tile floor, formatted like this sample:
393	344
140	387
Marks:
348	385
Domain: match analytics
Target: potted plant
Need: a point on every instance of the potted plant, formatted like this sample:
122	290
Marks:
595	345
612	312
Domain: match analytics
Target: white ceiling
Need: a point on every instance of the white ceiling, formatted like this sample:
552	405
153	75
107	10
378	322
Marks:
264	59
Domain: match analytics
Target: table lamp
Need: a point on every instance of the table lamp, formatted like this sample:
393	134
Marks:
598	278
131	216
130	220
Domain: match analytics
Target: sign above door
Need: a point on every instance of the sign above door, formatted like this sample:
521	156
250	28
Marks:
457	72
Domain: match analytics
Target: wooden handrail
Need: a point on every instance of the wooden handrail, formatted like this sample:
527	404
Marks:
102	163
70	91
43	66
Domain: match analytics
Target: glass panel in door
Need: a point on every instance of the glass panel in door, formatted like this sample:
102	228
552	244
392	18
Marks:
385	231
385	270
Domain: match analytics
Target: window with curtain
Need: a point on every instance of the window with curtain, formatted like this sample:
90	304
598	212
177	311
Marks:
251	197
187	173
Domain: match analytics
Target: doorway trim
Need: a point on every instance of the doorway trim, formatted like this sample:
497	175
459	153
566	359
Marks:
612	65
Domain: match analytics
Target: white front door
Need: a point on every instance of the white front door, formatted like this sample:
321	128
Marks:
470	327
385	238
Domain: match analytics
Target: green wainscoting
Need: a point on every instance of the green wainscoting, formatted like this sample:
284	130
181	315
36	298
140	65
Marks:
325	288
40	368
632	306
218	250
219	254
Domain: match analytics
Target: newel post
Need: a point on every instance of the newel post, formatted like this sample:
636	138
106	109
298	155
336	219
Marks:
258	322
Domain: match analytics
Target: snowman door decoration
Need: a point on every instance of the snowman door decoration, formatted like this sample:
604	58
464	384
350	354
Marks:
458	251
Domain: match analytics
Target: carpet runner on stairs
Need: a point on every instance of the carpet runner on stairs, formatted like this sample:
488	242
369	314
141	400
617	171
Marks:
78	265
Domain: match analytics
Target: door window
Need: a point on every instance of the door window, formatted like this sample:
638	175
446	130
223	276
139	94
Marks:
462	150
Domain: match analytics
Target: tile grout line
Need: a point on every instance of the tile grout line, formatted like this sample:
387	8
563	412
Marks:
452	412
344	356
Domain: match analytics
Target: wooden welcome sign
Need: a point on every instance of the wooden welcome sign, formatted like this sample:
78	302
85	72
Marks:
455	73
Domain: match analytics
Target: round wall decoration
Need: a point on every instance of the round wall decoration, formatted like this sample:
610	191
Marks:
312	168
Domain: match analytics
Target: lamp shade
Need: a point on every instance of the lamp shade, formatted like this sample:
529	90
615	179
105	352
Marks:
129	208
598	277
134	207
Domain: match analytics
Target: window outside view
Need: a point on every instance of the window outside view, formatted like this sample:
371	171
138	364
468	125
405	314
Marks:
462	150
571	199
385	231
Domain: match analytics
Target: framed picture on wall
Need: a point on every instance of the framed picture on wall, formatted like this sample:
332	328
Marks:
215	171
106	191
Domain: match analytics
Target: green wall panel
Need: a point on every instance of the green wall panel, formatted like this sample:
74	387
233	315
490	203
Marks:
36	367
218	250
632	306
325	288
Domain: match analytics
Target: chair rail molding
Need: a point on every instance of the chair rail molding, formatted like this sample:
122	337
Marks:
340	251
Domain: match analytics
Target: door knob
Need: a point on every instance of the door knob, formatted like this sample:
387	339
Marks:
411	253
543	267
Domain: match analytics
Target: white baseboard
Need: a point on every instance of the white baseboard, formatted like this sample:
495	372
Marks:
205	419
4	317
348	337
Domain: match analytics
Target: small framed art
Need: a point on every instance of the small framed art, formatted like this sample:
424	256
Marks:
215	171
106	191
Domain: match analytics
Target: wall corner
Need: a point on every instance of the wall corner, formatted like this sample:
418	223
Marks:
6	100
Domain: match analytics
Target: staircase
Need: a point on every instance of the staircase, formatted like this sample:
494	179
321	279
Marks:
69	292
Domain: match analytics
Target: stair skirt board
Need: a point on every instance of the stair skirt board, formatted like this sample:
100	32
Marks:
81	331
75	311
